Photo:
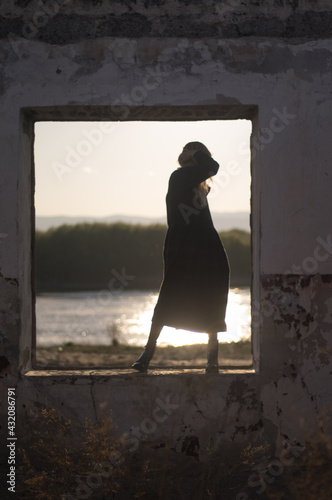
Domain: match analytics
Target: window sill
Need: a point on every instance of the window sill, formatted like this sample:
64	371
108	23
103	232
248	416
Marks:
130	373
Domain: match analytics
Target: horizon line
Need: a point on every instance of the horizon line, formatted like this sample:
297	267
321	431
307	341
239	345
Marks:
140	216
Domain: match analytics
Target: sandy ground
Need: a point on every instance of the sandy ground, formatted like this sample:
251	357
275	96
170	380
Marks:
123	356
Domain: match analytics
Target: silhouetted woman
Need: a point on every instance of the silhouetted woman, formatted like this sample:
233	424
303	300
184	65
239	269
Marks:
194	291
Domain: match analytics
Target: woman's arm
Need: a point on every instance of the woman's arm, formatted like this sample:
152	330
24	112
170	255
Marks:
189	177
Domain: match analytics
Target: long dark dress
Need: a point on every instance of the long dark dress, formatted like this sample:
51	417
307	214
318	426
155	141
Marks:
194	291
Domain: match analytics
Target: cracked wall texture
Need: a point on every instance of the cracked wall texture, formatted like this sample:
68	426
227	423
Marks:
70	21
270	59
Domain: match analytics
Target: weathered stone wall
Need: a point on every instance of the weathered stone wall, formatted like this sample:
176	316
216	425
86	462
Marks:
68	21
269	61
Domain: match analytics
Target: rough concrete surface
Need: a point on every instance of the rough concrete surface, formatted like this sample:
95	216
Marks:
268	61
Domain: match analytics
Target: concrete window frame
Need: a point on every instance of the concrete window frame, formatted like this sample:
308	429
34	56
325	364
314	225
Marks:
26	188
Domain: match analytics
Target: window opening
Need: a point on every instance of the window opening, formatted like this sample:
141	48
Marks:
100	225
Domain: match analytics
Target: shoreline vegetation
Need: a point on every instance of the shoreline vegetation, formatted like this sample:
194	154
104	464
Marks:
88	257
85	256
233	354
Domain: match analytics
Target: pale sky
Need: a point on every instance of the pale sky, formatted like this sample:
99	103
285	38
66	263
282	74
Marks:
112	168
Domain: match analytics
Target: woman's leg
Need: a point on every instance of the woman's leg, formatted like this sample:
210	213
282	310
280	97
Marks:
143	361
212	353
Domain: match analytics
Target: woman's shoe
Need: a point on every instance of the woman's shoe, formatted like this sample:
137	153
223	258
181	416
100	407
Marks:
140	366
142	363
212	368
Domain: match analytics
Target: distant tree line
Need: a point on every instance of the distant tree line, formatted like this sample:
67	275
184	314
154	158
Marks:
87	256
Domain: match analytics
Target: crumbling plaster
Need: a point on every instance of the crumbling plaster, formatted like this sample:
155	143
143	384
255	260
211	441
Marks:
190	72
284	84
73	20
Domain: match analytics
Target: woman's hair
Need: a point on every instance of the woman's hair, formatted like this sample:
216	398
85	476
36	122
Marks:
198	146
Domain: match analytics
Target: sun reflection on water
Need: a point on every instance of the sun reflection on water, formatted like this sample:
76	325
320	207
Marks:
237	320
80	317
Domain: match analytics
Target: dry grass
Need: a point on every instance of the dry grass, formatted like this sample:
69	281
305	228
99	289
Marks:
119	355
55	463
93	463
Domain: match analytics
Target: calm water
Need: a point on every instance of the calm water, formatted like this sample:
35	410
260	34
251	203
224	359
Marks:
95	317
